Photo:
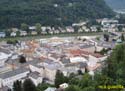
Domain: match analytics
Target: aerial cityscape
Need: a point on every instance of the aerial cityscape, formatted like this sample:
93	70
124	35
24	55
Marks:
62	45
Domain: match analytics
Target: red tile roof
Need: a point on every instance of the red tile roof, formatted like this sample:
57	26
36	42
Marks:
75	52
78	52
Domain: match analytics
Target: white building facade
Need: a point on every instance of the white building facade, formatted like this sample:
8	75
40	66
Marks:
8	78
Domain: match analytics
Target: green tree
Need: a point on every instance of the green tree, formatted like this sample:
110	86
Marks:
43	86
22	59
17	86
74	81
9	90
14	42
98	38
85	81
103	51
120	28
90	88
76	28
28	85
122	37
106	37
73	88
115	68
80	72
38	28
25	27
18	33
60	78
103	80
99	29
7	33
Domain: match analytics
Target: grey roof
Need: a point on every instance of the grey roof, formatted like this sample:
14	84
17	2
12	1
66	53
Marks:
34	61
48	61
16	62
65	61
34	75
79	65
5	51
82	65
86	46
53	66
69	69
107	44
13	73
38	65
4	88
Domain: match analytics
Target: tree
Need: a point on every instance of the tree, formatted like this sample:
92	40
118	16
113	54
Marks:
43	86
98	38
74	81
80	72
85	81
9	90
73	88
99	29
18	33
115	68
17	86
120	28
86	70
76	28
103	51
47	30
103	79
38	28
28	85
60	78
22	59
122	37
25	27
89	88
106	37
7	33
14	42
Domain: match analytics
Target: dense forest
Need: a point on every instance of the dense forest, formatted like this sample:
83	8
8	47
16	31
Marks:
50	12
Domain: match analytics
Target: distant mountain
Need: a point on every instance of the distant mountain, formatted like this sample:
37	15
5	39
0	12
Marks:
50	12
116	4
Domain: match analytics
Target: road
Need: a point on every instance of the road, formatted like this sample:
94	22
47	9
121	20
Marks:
48	36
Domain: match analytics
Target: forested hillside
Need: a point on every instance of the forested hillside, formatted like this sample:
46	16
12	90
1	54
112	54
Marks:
50	12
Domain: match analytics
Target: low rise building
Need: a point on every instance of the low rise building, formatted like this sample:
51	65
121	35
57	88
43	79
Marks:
93	29
33	33
50	89
106	22
63	86
77	59
36	78
69	29
13	34
23	33
2	34
8	78
32	28
3	58
73	68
